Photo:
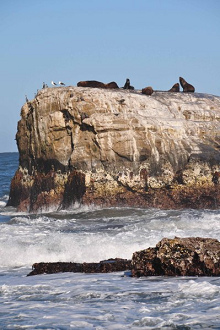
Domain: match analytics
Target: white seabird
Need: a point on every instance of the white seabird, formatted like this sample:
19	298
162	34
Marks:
53	83
61	83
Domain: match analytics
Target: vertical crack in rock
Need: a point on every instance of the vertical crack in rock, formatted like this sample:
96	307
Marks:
69	122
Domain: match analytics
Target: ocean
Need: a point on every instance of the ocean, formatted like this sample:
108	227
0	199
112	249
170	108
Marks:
98	301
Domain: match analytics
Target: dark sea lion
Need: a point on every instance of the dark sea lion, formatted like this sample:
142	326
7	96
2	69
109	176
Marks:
127	85
175	88
186	87
112	85
147	90
91	83
97	84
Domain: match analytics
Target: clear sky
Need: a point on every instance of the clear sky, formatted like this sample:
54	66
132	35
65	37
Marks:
152	42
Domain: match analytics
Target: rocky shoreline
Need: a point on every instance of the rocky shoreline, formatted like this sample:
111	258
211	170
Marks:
117	148
190	256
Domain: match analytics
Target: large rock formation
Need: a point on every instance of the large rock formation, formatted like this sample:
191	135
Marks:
117	147
191	256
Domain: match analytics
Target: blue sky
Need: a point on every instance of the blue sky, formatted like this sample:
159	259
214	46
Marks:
152	42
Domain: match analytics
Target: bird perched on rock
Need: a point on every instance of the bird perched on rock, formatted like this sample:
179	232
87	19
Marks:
26	99
53	83
61	83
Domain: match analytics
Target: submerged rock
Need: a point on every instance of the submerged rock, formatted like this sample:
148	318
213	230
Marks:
116	147
192	256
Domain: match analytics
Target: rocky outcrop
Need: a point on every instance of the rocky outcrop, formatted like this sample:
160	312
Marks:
105	266
193	256
117	147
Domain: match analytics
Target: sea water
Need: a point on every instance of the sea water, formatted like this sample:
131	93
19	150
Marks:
98	301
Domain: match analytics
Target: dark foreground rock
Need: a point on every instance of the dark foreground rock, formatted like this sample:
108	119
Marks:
192	256
105	266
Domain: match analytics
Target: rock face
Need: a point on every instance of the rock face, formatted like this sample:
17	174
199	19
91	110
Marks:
179	256
117	147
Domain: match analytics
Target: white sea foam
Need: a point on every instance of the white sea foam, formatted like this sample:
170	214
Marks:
194	289
97	235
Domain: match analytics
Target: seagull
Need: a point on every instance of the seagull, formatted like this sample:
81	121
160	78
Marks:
53	83
61	83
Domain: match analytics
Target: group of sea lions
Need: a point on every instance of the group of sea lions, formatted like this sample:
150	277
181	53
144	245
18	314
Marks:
187	88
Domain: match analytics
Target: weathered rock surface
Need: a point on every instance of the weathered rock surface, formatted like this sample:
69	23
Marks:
105	266
117	147
193	256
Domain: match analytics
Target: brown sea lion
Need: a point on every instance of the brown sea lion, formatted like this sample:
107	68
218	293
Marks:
186	87
112	85
147	90
175	88
97	84
91	83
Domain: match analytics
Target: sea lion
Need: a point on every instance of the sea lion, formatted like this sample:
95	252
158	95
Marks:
175	88
112	85
97	84
91	83
186	87
127	85
147	90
